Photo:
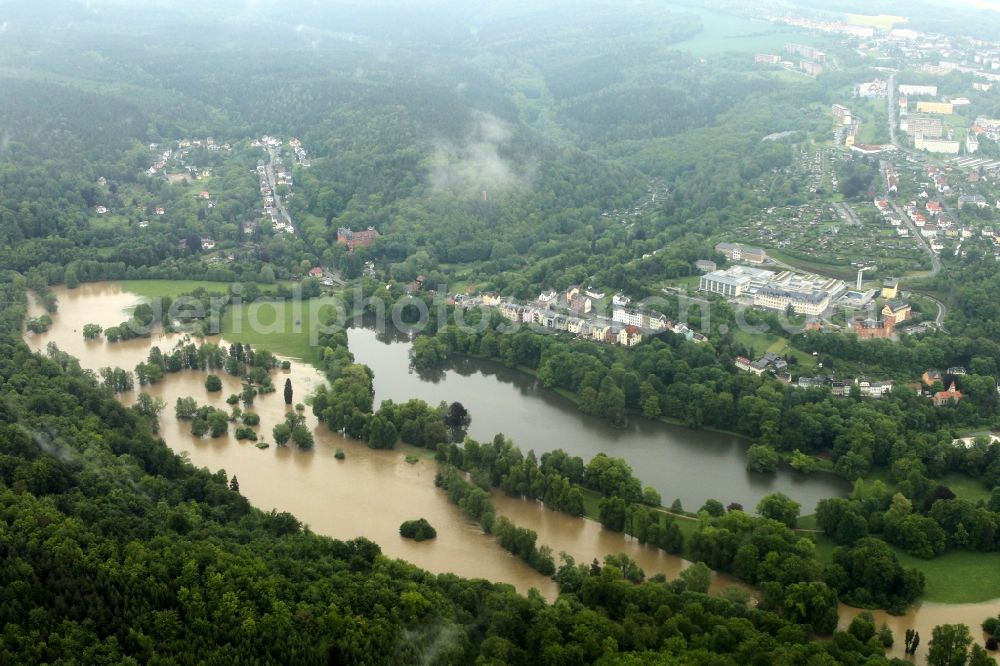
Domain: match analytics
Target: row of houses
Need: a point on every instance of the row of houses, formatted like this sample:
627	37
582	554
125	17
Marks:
876	389
301	157
184	147
598	331
771	362
768	362
931	220
842	387
627	327
278	222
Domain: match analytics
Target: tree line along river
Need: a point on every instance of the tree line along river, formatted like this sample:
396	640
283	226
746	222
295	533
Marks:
371	492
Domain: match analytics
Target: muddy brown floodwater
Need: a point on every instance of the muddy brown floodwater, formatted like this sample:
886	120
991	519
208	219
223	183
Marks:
371	492
368	494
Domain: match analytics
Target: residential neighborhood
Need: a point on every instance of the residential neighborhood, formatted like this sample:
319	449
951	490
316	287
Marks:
275	181
571	311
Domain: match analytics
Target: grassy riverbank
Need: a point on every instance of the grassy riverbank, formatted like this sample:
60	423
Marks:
286	328
957	577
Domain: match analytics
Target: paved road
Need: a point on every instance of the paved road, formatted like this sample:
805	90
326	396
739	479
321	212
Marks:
272	181
847	213
935	258
892	111
936	266
939	320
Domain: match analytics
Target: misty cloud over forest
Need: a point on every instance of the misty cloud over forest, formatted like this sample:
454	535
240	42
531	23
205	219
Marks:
481	161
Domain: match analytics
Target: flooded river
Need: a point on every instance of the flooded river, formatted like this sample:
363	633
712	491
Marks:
371	492
368	494
674	460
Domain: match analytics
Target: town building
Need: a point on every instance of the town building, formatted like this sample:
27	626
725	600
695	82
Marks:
580	304
890	288
803	302
842	114
806	52
416	285
811	382
929	126
870	389
870	329
629	336
872	89
896	310
805	294
971	143
645	319
769	361
734	282
767	59
737	252
705	266
810	68
600	332
948	396
972	200
940	108
511	311
908	89
942	146
353	239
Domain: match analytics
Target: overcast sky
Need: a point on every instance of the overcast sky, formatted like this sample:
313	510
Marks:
983	4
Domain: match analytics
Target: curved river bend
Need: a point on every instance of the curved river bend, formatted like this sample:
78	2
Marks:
371	492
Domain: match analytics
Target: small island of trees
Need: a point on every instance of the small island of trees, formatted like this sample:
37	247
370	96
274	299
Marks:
418	530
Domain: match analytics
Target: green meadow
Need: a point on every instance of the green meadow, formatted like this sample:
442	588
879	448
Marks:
286	328
957	577
722	32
